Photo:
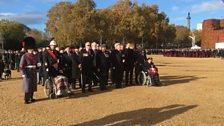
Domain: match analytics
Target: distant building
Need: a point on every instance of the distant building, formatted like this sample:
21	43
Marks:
199	26
189	21
212	33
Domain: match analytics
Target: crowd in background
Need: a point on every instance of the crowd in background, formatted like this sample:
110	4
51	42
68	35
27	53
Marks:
197	53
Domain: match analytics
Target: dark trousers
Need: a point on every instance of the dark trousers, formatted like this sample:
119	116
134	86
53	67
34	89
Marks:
129	76
72	82
28	96
138	69
103	81
45	77
95	79
113	73
86	79
118	77
17	66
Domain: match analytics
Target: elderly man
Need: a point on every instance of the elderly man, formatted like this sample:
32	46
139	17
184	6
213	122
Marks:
94	48
103	65
117	65
86	56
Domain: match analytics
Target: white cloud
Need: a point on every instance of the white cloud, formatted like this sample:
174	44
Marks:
28	18
214	5
175	8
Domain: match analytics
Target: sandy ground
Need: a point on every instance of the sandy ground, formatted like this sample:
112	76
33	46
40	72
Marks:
194	96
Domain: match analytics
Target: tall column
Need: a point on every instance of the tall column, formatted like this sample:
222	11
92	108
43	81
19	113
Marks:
189	21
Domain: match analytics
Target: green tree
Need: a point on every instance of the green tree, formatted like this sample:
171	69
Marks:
75	23
182	36
12	34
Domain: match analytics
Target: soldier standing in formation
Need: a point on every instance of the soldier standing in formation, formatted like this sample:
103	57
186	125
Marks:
28	70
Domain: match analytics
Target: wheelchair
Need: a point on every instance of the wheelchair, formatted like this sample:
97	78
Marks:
150	78
55	87
144	79
50	88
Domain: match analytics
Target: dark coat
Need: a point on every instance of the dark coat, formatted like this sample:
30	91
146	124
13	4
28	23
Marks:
73	61
129	59
75	66
87	58
139	59
30	79
103	62
49	61
117	59
68	66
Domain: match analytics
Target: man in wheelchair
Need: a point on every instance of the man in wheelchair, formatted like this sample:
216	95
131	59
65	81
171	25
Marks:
57	83
152	71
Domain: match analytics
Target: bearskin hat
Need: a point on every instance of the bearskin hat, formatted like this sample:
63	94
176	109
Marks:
29	43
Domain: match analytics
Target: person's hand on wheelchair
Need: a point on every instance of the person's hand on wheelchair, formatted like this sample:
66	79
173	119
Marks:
61	71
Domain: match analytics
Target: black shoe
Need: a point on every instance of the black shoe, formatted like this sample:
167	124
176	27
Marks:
118	86
26	102
32	100
103	89
90	90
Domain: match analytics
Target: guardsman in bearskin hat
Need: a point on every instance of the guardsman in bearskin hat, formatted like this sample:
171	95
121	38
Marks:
28	70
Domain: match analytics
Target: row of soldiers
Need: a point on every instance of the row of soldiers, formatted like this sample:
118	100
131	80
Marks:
197	53
9	60
90	64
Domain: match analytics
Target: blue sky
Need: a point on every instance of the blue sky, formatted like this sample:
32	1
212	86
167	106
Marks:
33	13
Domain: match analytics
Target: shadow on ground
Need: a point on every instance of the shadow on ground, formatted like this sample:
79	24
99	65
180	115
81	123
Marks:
146	116
78	93
171	80
167	80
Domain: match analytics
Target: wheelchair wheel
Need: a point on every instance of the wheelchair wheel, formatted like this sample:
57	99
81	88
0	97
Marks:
47	90
142	78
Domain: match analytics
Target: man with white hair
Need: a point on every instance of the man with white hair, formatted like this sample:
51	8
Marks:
113	52
117	65
86	56
94	49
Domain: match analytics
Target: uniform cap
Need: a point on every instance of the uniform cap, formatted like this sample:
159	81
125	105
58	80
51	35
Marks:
29	43
53	43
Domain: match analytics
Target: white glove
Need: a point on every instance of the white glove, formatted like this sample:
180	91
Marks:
39	64
23	75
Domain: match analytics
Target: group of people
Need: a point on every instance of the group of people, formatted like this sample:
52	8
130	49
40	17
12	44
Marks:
194	53
86	66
